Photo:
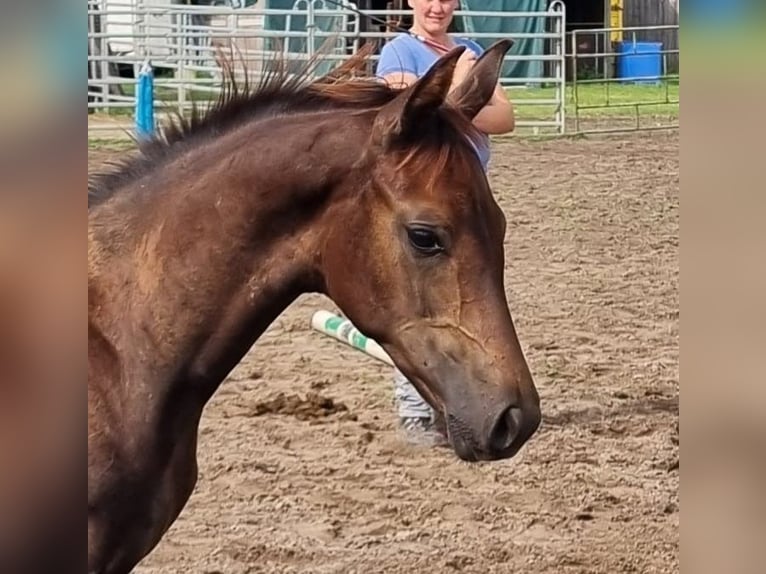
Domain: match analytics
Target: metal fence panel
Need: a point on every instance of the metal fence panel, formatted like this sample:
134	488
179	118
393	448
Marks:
633	61
184	44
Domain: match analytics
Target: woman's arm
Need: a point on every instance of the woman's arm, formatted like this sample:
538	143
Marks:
400	80
498	116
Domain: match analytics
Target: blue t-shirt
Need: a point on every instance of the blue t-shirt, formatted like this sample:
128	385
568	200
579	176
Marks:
408	54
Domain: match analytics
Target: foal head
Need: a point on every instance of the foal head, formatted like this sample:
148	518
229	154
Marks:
419	265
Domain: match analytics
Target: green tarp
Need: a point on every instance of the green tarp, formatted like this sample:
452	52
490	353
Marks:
499	26
297	23
505	27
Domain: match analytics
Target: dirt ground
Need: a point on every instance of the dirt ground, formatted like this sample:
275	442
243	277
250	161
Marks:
322	482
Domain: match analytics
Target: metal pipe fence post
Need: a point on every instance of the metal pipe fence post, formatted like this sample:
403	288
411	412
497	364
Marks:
180	21
574	81
105	92
310	28
93	29
559	9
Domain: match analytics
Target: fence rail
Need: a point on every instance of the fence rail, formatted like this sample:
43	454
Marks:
183	44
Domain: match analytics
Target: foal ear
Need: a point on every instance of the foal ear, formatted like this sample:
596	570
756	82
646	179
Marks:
476	90
401	117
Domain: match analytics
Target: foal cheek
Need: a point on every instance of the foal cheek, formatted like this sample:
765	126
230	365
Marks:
388	290
356	295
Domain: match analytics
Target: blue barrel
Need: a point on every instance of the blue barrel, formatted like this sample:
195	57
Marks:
639	62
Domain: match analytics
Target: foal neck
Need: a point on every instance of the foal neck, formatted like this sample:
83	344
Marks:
226	237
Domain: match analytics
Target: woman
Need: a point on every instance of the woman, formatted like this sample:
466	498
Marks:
402	61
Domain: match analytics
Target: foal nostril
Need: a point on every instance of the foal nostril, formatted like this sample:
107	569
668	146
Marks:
506	429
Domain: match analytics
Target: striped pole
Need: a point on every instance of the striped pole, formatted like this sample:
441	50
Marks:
343	330
145	102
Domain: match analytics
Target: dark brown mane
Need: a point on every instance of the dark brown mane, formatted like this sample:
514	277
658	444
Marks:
278	93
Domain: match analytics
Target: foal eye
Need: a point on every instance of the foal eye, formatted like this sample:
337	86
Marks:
425	240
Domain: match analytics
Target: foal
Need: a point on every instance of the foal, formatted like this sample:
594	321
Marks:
371	196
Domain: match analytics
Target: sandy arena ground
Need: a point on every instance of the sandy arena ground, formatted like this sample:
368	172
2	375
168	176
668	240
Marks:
314	486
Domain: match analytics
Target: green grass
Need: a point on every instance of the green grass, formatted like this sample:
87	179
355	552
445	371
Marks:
95	142
170	94
588	94
591	95
595	101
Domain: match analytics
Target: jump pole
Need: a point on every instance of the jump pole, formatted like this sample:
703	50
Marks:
343	330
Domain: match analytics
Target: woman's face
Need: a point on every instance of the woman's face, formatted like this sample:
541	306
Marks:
433	16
